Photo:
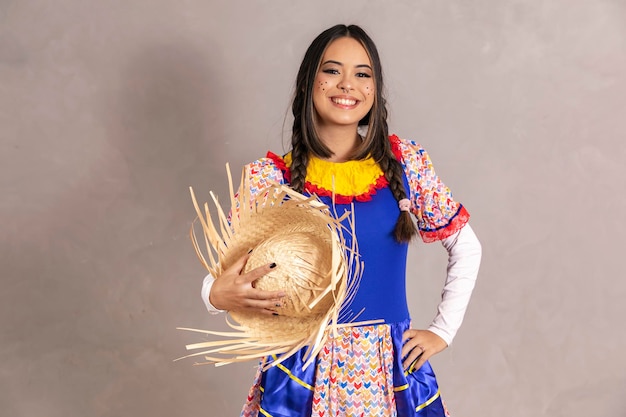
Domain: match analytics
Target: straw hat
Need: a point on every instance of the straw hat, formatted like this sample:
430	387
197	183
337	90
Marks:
315	268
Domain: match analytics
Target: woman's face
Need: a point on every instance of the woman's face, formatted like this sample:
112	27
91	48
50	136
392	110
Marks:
344	90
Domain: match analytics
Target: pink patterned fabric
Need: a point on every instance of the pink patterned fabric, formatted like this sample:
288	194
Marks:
260	174
355	374
438	215
251	407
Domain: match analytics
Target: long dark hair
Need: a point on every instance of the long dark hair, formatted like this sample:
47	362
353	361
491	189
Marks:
305	141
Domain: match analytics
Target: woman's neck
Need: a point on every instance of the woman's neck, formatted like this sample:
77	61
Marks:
341	140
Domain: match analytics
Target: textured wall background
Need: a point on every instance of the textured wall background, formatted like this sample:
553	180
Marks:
109	110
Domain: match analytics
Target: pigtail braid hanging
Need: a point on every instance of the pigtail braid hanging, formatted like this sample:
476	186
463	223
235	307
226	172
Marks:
299	162
299	152
405	228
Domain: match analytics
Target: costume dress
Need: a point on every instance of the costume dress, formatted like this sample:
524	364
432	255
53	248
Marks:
359	372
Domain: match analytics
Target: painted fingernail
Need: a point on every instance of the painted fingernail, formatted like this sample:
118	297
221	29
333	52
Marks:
274	314
273	265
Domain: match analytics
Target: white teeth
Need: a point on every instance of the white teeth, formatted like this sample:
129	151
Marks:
344	101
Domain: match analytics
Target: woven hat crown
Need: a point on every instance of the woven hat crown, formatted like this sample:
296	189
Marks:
303	271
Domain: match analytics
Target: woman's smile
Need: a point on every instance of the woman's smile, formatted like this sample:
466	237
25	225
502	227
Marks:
344	102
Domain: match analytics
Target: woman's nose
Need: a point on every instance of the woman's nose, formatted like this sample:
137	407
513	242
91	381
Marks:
345	84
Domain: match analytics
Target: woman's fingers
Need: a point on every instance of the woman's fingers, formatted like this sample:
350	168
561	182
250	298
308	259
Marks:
234	290
258	272
419	346
270	296
266	302
411	351
261	306
238	266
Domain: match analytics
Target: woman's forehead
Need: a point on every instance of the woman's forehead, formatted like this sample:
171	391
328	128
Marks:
346	51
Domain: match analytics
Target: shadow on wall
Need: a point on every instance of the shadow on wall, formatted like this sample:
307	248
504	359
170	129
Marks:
101	278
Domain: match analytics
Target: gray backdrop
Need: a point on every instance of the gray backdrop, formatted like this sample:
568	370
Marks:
109	110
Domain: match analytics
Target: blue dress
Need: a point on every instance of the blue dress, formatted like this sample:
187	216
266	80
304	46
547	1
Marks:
360	371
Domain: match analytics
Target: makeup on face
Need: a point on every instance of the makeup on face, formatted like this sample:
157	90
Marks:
344	84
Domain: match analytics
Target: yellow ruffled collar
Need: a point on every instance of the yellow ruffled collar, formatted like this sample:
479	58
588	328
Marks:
350	180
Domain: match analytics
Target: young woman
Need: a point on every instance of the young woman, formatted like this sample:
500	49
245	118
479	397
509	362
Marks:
372	370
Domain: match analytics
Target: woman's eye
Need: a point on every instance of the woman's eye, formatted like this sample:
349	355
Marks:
331	71
363	75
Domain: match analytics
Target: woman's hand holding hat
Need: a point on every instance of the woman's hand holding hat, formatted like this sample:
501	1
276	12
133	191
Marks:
234	290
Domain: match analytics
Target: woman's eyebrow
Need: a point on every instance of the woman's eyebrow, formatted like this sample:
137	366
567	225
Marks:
331	61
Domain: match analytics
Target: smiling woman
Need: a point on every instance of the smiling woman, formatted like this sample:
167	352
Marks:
343	89
362	369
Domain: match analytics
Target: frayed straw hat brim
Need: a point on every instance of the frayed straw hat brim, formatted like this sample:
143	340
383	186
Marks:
318	270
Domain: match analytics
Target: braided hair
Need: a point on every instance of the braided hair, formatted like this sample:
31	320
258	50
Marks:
304	138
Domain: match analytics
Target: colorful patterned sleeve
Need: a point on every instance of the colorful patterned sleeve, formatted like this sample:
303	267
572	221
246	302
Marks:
261	174
438	215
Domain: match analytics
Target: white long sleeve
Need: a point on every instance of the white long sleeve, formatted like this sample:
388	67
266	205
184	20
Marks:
464	254
206	290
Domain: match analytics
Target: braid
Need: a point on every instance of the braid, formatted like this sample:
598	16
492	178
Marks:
299	162
405	228
299	152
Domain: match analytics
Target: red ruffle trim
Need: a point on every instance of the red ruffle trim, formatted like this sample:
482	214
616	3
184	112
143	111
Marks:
280	164
456	223
395	147
347	199
381	182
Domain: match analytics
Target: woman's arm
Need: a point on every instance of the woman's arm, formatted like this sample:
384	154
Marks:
464	254
207	284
